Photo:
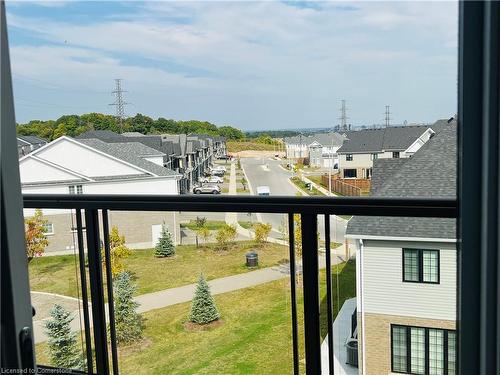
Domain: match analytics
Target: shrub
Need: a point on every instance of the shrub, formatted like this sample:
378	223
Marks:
128	322
117	251
165	246
225	235
204	233
62	345
261	232
203	308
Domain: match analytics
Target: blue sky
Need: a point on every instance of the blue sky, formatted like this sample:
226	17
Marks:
253	65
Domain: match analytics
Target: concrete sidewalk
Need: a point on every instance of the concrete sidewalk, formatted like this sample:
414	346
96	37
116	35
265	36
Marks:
173	296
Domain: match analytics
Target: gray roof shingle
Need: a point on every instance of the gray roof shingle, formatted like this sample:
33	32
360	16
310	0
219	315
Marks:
430	173
325	139
127	152
382	170
377	140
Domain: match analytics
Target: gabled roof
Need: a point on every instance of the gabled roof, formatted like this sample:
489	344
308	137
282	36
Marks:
103	135
430	173
324	139
397	138
31	139
128	155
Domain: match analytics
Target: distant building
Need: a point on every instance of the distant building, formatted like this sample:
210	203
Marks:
362	147
28	143
320	149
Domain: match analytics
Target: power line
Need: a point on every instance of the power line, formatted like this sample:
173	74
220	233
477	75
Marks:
119	103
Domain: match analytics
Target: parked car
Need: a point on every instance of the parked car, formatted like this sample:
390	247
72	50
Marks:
218	172
218	168
207	189
224	157
212	179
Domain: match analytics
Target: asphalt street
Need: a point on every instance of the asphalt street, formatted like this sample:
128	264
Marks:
267	172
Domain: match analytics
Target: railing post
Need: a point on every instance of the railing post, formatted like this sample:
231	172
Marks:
293	295
97	293
309	227
85	298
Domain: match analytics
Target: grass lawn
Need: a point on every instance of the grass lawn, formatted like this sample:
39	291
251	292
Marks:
56	274
317	180
255	337
246	224
302	185
210	224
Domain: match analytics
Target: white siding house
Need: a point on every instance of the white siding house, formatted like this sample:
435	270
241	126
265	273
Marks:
90	166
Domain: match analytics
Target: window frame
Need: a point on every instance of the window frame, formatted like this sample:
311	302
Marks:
350	169
446	358
47	233
75	189
349	157
398	153
420	257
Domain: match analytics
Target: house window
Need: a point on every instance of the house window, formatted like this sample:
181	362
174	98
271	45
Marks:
374	156
75	189
421	266
395	155
423	351
350	173
48	228
348	157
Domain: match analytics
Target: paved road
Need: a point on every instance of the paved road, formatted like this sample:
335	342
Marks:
267	171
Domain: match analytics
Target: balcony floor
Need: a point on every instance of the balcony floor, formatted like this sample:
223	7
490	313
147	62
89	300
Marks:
341	331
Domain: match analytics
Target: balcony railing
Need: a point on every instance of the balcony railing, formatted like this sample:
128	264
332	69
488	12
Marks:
93	207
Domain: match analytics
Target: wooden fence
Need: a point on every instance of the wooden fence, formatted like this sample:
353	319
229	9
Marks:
348	187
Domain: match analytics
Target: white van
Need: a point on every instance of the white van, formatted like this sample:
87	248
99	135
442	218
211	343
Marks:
263	190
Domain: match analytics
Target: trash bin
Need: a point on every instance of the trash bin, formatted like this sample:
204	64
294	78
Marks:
308	185
252	259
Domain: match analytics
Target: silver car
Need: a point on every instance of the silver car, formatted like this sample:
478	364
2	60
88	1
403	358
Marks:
207	189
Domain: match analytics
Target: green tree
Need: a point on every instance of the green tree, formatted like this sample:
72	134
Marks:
62	345
117	251
128	322
36	240
261	232
244	183
165	246
203	308
205	234
199	224
225	235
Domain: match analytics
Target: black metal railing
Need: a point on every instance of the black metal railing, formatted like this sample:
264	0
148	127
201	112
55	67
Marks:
309	208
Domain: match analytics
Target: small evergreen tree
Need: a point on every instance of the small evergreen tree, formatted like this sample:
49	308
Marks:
128	322
63	350
165	246
203	309
117	251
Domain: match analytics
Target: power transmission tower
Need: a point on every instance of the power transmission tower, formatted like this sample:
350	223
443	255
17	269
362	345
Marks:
119	103
343	116
387	116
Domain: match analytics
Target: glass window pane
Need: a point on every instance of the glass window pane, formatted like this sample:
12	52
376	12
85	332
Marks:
436	352
399	359
430	266
417	350
410	265
452	353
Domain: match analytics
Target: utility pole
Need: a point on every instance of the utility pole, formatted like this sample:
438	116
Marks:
119	103
387	116
343	117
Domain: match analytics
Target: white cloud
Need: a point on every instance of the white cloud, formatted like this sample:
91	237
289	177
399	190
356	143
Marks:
266	52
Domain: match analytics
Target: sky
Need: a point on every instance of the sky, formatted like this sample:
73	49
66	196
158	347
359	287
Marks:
252	65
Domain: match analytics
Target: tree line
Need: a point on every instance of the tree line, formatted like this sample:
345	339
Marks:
73	125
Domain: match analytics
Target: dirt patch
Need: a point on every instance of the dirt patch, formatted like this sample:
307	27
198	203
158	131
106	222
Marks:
193	327
135	347
256	154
